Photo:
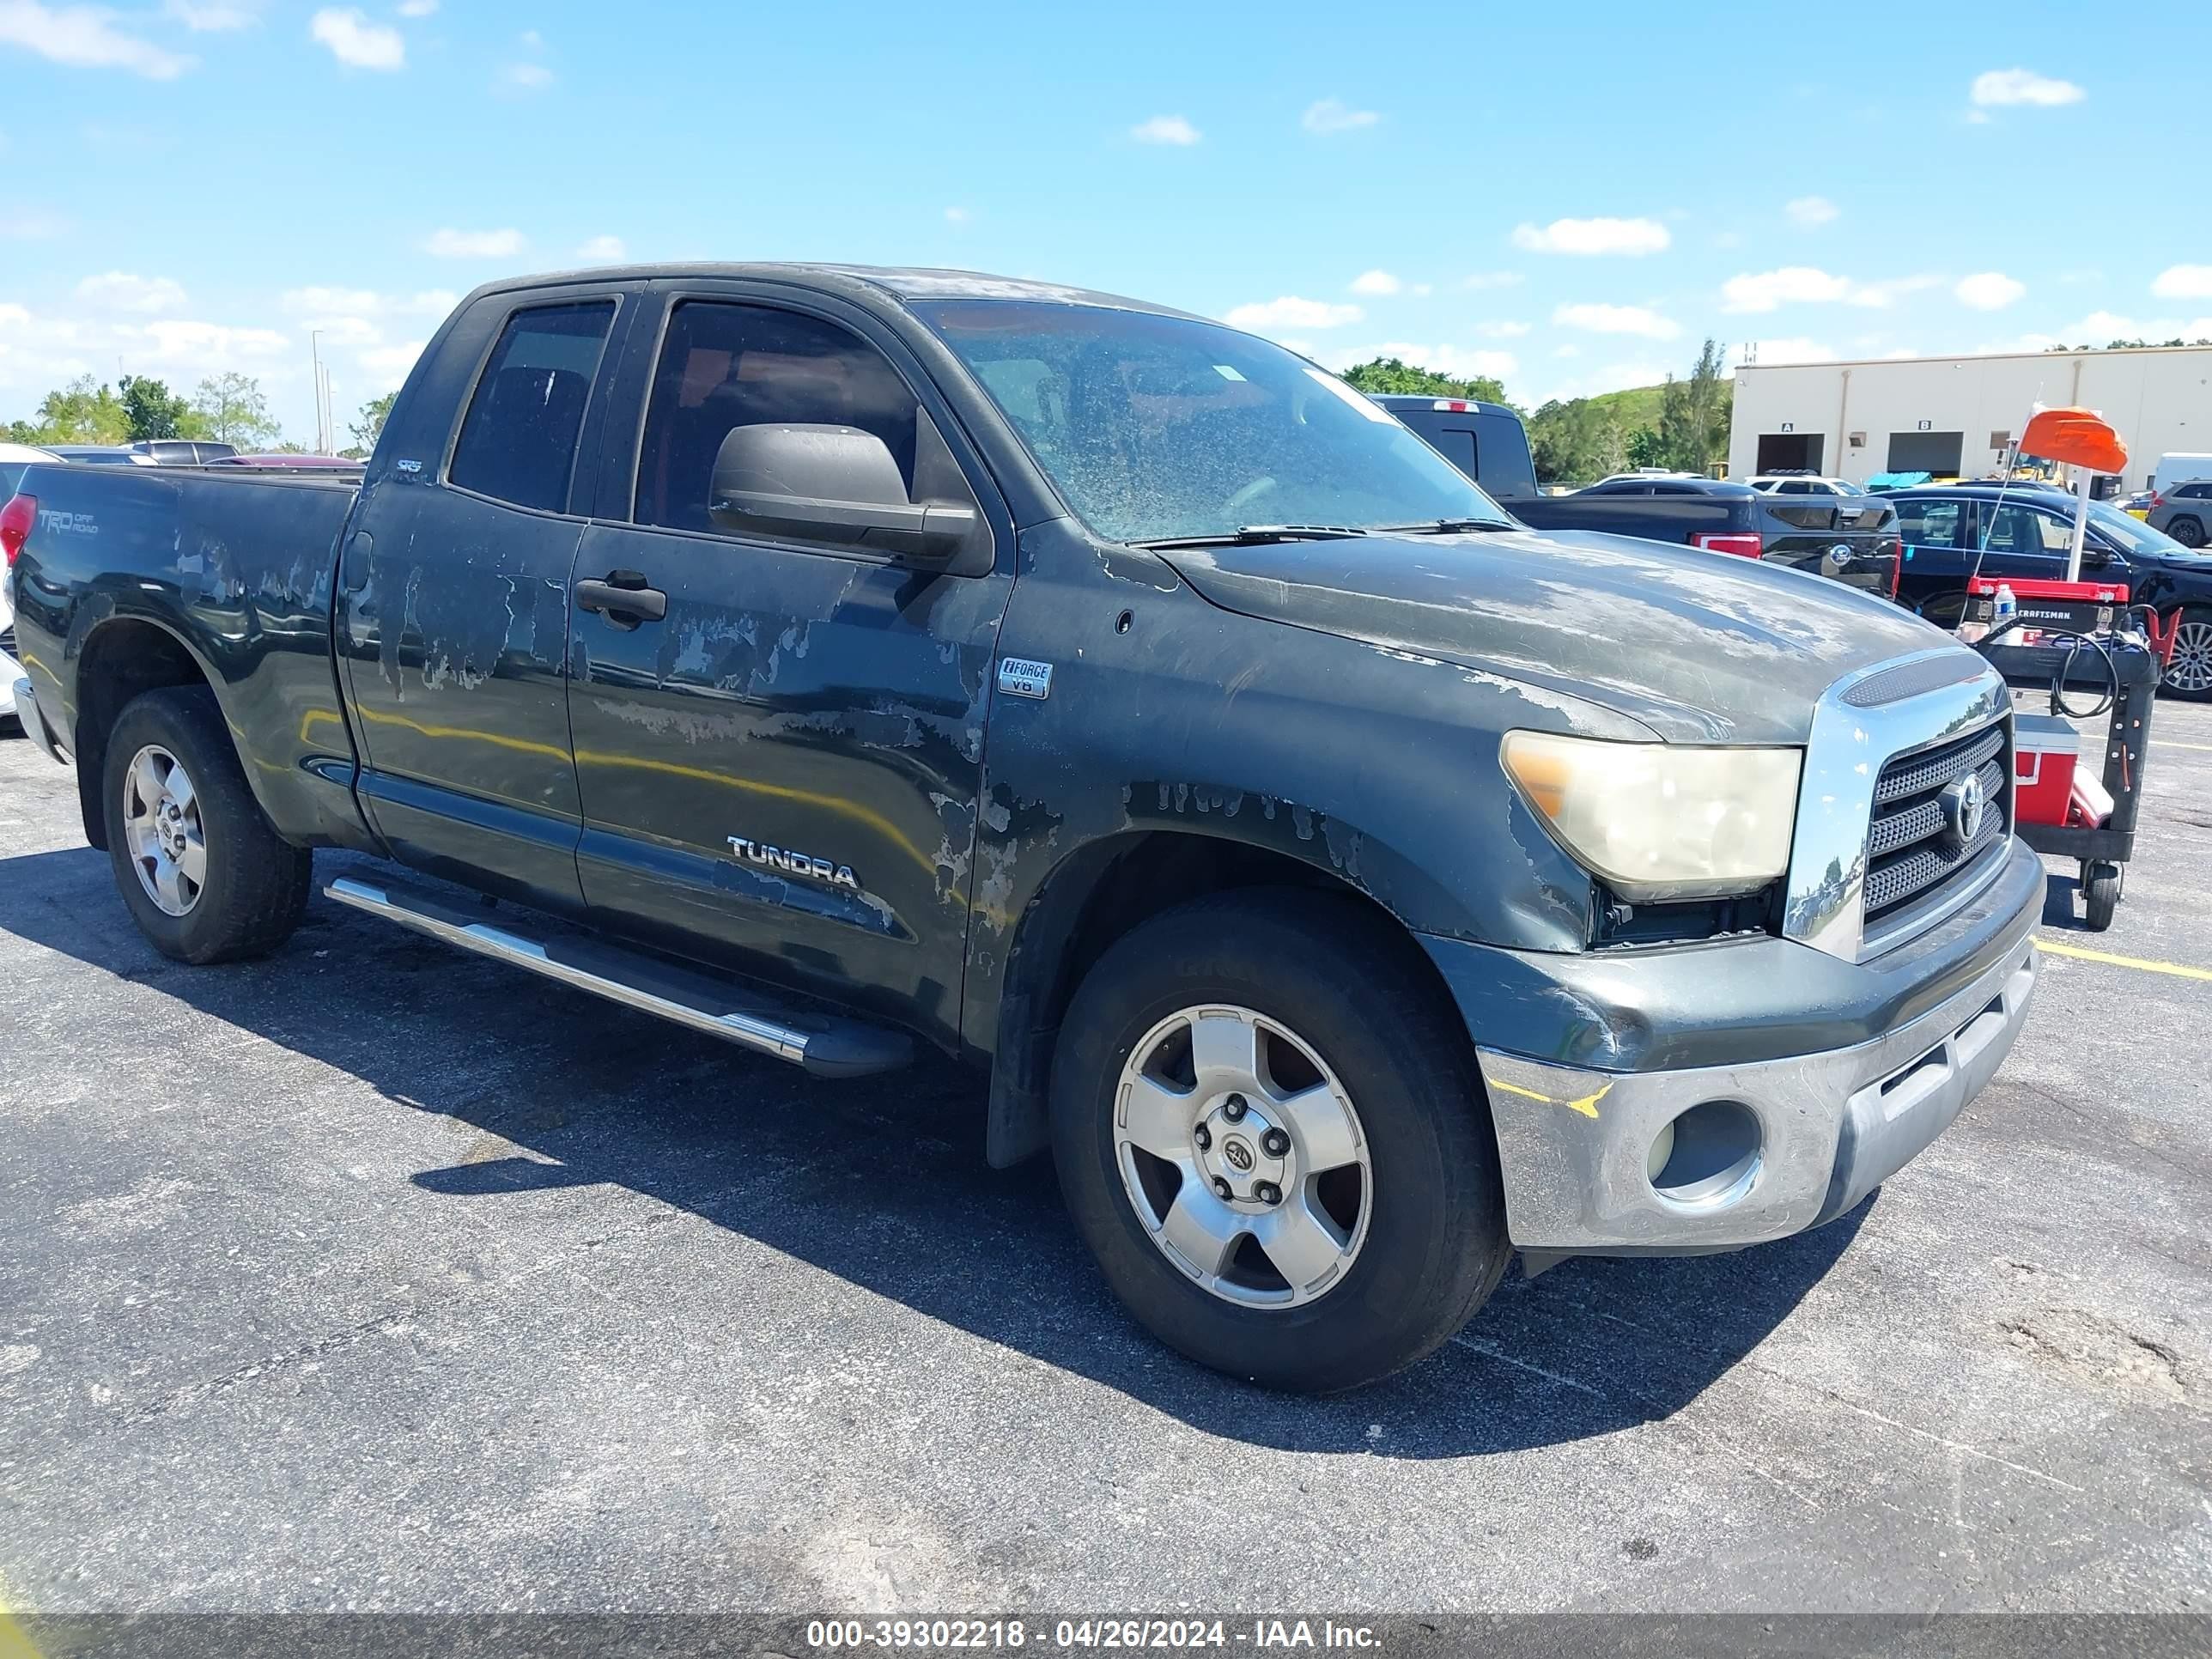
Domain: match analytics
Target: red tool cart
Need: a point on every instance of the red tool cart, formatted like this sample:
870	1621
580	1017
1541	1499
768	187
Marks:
2068	637
2061	807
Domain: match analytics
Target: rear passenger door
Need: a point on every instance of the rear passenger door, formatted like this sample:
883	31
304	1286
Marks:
453	597
779	771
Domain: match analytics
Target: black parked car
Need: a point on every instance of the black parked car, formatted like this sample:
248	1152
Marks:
1851	538
1951	530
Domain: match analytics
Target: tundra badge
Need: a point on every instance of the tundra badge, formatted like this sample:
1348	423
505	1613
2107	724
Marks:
1021	676
794	864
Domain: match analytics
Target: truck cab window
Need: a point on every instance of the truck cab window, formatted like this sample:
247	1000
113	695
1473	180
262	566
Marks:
518	442
725	366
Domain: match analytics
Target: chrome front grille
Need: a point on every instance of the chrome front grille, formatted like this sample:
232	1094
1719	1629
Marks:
1912	858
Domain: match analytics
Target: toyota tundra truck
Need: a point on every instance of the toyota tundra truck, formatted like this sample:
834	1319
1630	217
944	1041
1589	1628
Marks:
1349	884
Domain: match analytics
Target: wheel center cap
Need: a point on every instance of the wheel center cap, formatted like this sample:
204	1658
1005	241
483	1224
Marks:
1244	1155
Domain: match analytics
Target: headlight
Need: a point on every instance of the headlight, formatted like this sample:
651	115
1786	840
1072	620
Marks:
1659	821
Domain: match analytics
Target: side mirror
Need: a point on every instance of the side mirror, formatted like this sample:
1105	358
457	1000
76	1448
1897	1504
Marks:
829	483
2095	555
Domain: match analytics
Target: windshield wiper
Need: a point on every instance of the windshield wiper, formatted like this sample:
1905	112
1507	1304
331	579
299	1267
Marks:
1448	526
1253	535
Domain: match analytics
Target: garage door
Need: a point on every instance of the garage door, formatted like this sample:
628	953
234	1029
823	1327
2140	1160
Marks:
1927	452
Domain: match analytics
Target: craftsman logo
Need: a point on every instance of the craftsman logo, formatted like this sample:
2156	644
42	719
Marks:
794	864
1963	804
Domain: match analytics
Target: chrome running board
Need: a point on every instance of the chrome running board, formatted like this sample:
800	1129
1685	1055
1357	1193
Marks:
823	1045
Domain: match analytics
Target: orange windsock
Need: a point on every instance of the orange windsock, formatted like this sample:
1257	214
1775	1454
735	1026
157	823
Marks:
2076	437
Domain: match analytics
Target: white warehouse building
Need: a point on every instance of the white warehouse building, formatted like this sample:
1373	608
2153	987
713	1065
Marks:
1957	416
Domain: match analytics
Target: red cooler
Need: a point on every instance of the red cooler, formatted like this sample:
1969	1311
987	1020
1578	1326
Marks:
2044	750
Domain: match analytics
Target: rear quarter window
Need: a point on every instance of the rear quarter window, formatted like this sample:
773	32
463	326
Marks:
518	442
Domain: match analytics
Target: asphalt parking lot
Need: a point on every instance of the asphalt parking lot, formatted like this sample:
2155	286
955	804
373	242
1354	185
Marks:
376	1276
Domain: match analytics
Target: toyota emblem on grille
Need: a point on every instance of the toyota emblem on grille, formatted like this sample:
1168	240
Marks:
1963	804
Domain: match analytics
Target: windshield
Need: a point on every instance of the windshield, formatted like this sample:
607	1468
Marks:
1155	428
2136	536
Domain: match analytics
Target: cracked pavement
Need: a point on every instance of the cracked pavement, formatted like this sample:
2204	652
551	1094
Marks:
376	1276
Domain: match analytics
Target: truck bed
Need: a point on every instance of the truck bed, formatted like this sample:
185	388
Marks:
247	557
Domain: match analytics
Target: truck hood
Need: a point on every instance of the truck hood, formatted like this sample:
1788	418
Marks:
1701	647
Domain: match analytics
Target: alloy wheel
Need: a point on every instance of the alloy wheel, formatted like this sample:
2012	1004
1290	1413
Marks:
2191	669
162	830
1242	1157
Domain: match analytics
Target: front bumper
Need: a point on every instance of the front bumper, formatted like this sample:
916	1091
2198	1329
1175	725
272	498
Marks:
1836	1073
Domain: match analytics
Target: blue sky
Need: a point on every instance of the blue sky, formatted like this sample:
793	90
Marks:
1571	198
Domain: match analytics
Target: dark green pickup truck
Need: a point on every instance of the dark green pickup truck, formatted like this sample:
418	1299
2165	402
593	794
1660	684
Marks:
1349	884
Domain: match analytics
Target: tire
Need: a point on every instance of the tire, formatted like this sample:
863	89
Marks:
2190	532
237	890
2189	672
2100	892
1343	1015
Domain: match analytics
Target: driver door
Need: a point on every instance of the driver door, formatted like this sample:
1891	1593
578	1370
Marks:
781	772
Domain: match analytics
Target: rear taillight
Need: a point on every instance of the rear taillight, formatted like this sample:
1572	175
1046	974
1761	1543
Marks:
1748	546
15	521
2157	501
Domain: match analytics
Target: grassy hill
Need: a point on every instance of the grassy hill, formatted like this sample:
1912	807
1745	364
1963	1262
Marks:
1637	406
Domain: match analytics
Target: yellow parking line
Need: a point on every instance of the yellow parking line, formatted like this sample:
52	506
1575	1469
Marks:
14	1643
2107	958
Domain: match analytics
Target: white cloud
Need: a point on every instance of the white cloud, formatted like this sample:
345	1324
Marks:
2020	85
418	7
1165	129
1376	281
387	365
1793	348
1490	279
525	77
603	250
1769	290
355	41
1334	115
1501	331
1291	312
1463	361
208	16
1617	319
474	243
1988	290
118	290
1811	210
2184	282
1593	236
85	37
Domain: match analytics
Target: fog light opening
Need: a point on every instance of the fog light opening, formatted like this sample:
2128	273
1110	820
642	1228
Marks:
1707	1157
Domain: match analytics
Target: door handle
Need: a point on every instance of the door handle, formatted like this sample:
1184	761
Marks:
623	597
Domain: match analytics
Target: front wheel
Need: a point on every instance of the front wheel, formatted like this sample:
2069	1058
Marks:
2189	670
2100	894
1270	1131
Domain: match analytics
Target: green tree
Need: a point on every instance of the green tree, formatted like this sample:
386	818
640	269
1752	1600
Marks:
1577	441
153	410
1388	375
235	411
1694	414
368	426
81	413
1644	448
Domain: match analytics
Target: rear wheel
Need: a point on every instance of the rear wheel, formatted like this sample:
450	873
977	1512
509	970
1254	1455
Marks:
206	877
2190	532
1270	1131
2189	671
